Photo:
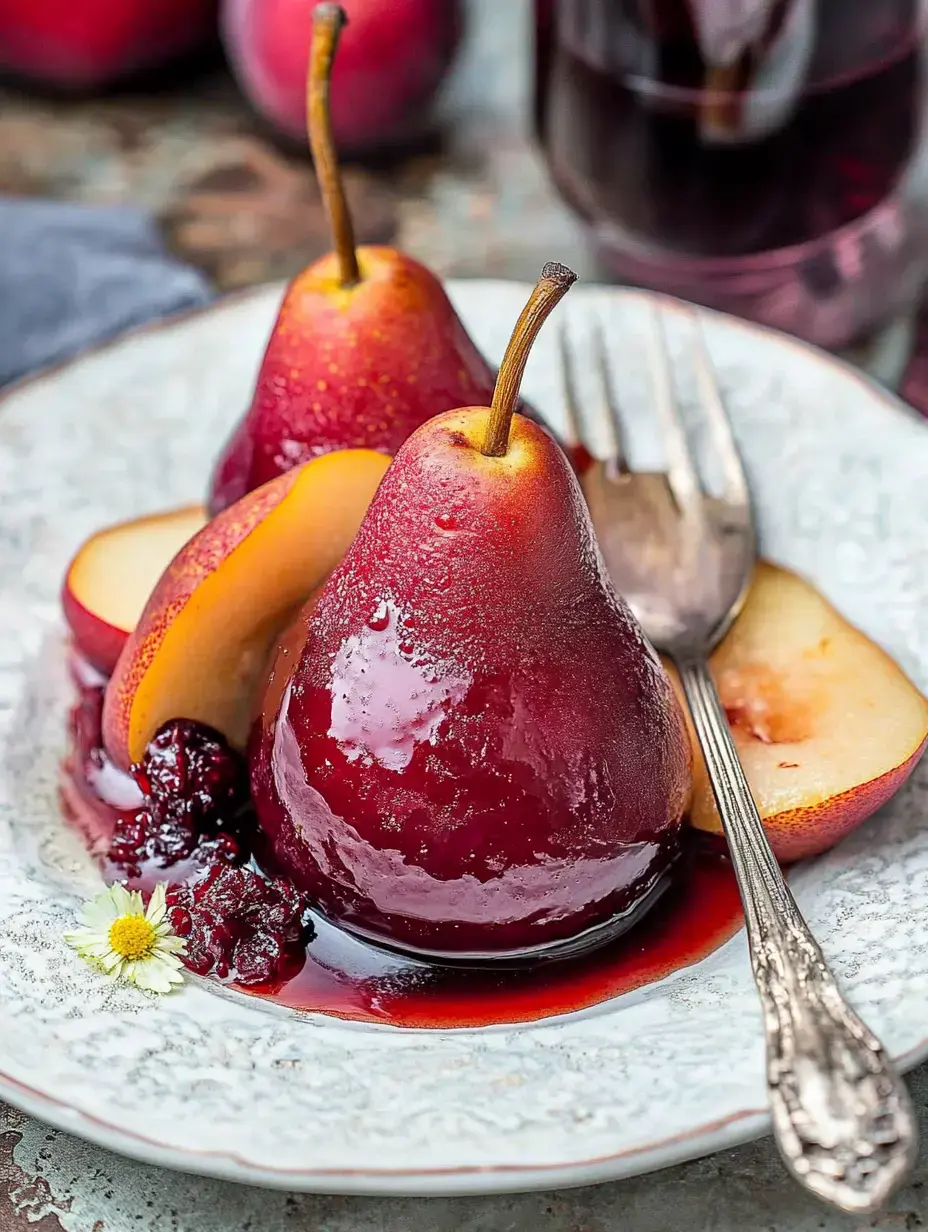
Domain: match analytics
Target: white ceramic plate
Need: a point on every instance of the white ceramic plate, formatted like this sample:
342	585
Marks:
223	1085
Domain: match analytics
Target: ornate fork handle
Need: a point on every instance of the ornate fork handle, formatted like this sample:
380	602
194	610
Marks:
841	1114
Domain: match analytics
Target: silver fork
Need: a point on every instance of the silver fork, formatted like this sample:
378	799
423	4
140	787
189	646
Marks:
683	560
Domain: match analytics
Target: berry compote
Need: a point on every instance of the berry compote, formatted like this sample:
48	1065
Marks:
185	818
240	925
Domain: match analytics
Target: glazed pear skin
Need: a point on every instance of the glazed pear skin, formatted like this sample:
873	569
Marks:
352	367
477	750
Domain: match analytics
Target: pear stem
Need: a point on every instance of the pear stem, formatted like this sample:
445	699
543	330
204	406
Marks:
328	20
554	283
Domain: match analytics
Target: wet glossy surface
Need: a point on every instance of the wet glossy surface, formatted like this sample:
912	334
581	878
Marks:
476	750
350	978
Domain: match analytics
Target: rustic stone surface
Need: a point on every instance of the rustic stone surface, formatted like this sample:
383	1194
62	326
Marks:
50	1182
229	200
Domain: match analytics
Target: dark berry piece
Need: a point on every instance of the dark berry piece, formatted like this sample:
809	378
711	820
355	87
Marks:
179	919
128	844
197	958
169	837
189	770
257	958
222	848
172	837
222	891
237	924
242	926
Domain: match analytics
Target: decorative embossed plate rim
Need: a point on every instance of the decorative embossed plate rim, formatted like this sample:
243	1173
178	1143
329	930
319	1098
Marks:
224	1086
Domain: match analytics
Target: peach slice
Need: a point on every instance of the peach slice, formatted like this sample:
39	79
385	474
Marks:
201	647
110	578
827	726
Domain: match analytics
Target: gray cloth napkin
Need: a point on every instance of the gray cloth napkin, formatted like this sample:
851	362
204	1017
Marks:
74	275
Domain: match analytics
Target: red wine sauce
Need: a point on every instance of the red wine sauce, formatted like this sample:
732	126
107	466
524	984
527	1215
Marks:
348	978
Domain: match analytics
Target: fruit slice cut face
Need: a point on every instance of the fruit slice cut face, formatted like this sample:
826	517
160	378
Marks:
826	724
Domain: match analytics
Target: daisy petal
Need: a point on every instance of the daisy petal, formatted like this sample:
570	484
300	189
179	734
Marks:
155	978
127	902
157	906
121	898
100	912
96	949
99	915
81	936
170	960
110	961
145	978
174	975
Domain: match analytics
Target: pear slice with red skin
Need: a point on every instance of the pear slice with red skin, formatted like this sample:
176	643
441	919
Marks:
828	727
201	648
112	574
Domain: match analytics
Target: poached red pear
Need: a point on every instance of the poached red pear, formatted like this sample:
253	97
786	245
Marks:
475	750
367	344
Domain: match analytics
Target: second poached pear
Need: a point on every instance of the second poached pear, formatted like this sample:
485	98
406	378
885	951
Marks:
366	346
351	367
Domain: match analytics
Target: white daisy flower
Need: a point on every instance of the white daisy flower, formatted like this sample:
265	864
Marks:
129	943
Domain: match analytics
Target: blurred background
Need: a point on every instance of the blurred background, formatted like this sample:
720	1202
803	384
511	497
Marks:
231	182
765	157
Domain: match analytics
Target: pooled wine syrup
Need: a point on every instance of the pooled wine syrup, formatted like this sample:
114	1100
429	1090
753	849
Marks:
351	979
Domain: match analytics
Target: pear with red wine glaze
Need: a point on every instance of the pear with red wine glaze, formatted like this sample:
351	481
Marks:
367	344
477	750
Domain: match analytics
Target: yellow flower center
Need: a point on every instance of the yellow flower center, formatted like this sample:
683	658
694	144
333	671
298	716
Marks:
132	937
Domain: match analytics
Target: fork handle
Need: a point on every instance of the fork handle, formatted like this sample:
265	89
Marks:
842	1117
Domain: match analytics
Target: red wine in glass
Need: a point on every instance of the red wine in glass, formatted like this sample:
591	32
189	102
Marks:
765	157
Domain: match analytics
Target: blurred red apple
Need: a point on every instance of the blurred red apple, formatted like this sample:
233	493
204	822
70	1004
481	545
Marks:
87	44
392	57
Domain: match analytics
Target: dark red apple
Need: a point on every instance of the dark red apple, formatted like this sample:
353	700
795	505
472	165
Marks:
392	57
88	44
